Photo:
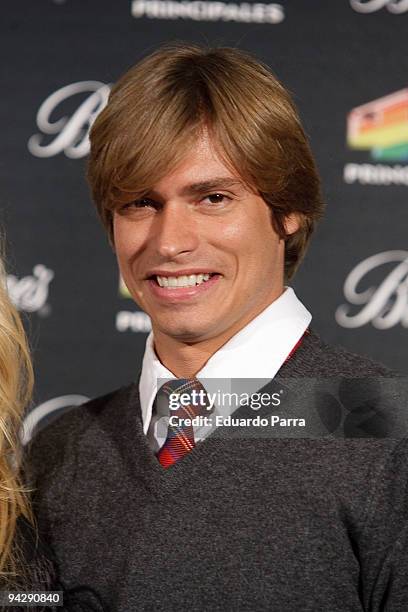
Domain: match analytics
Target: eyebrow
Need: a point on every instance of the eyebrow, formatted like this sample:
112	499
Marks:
213	184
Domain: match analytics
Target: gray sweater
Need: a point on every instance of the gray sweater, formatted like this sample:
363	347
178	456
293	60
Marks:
311	525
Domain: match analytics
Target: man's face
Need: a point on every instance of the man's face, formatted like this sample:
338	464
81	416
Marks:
201	229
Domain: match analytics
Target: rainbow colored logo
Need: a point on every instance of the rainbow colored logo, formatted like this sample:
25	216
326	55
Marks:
381	126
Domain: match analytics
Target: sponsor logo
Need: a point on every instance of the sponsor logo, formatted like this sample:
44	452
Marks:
131	321
30	293
371	6
375	174
198	10
384	305
68	134
39	416
380	127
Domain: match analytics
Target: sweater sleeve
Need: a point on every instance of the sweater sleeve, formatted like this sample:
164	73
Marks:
384	539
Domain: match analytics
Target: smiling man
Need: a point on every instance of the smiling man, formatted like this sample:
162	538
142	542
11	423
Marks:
204	180
200	255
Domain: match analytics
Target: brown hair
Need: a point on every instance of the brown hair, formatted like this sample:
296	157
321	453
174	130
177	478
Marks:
159	106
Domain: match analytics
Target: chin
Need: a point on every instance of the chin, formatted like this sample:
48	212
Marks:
183	331
184	334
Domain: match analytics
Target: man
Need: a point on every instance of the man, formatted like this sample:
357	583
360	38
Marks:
204	180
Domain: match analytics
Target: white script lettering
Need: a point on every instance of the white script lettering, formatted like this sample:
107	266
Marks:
384	306
71	133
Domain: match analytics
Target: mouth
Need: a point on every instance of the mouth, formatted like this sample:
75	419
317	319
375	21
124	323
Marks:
183	281
176	289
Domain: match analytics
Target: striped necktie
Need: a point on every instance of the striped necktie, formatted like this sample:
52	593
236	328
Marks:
180	437
191	400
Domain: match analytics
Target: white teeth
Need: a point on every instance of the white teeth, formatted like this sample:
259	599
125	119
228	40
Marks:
182	281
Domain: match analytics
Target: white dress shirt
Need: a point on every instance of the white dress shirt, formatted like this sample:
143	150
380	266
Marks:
247	355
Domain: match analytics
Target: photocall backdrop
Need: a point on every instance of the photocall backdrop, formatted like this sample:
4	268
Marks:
345	62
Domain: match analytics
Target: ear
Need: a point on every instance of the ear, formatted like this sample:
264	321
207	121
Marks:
292	223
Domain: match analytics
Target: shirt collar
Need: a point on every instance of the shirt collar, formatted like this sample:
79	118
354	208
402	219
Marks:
256	351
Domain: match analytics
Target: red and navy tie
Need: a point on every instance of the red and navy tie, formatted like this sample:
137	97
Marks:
180	437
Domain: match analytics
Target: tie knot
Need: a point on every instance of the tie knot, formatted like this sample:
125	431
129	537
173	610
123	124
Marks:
183	397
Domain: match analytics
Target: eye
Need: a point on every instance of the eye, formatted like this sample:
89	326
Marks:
216	198
141	203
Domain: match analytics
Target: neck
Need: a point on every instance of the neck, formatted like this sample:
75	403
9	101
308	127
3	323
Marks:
186	358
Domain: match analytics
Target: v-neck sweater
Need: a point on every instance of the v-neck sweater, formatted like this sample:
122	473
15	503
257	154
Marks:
238	524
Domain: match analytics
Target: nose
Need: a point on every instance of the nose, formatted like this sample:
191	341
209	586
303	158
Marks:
175	230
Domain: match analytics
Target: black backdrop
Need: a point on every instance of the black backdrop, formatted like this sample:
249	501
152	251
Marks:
336	56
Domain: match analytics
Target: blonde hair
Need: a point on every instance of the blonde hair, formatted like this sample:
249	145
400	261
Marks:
16	379
157	109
